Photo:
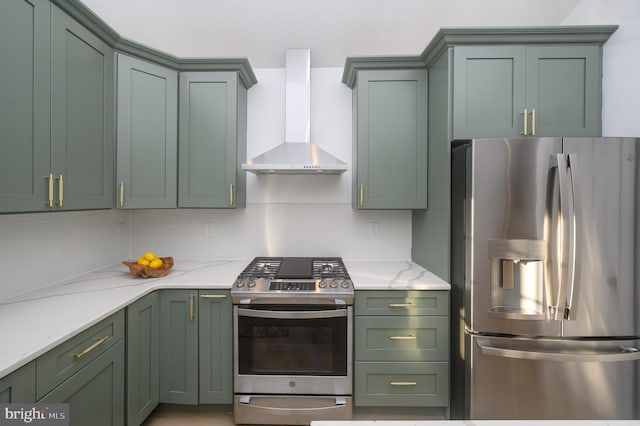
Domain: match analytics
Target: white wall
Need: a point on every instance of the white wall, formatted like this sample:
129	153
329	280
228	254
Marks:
39	249
621	61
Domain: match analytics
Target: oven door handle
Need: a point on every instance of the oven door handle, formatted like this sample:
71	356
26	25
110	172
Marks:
330	313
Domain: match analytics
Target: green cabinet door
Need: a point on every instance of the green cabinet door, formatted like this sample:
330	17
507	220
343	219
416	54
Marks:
179	347
143	357
518	91
215	347
95	394
147	134
82	107
212	140
19	386
488	91
390	139
564	87
24	104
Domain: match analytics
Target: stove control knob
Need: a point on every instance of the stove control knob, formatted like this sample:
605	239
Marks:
251	284
333	283
322	284
345	284
239	284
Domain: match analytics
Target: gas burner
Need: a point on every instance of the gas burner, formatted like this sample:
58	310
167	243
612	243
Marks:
283	277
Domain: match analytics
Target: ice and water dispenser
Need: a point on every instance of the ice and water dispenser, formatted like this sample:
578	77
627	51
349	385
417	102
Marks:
517	279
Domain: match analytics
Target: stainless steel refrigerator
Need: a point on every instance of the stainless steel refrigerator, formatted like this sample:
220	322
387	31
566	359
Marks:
546	278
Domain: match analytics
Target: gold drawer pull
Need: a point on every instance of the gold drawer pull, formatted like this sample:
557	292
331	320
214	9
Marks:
191	312
403	383
409	337
213	296
92	347
402	305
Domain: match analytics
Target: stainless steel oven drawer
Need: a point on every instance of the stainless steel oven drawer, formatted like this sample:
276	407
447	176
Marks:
290	410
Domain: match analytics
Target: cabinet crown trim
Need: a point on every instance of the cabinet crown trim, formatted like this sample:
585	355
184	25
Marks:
101	29
452	36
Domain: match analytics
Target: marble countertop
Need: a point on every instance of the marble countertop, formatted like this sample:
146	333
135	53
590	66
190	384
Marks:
35	322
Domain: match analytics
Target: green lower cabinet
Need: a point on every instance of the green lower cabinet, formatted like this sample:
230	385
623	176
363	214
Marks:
401	349
179	347
143	357
215	347
196	347
19	386
401	384
95	394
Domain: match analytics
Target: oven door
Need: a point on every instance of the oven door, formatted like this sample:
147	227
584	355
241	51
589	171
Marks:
293	349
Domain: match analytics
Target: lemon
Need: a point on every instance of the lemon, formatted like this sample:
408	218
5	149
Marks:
142	261
149	256
155	263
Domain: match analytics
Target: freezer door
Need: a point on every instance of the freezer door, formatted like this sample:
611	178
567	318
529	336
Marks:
553	379
509	185
605	295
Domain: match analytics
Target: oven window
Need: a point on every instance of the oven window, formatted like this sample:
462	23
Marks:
292	346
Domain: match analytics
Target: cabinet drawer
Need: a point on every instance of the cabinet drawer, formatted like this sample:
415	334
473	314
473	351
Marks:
406	384
411	302
68	358
401	338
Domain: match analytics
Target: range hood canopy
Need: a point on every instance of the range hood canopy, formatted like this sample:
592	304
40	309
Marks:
297	155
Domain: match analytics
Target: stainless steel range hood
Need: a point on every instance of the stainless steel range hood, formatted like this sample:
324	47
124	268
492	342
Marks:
297	155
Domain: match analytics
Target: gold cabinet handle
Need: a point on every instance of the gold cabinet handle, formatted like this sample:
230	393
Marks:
361	195
403	383
121	193
97	343
191	314
213	296
525	119
533	122
60	190
49	202
231	194
409	337
402	305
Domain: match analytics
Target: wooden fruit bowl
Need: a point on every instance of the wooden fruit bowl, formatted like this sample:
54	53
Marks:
147	272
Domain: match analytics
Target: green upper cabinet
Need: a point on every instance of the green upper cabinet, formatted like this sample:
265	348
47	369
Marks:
56	111
147	134
212	140
24	104
515	91
390	139
82	110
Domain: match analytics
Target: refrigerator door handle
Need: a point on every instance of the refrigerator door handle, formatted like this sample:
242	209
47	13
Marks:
558	303
574	216
621	353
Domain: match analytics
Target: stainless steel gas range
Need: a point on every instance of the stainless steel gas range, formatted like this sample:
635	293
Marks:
293	334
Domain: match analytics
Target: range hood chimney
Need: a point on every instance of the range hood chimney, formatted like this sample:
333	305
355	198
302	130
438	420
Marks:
297	155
